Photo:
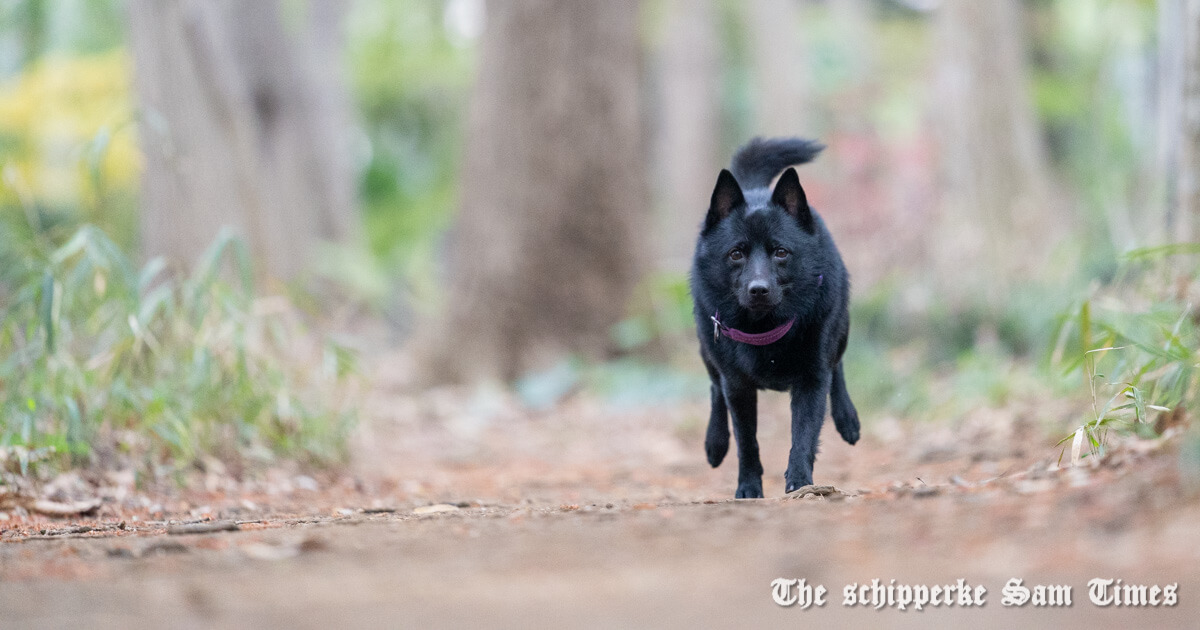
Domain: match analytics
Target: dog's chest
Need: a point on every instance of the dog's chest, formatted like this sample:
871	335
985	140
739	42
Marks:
777	366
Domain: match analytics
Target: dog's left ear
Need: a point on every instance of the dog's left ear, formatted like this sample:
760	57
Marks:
790	196
726	196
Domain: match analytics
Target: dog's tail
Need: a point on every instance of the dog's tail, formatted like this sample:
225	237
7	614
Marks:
760	160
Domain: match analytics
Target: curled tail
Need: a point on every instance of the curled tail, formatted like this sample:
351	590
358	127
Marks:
760	160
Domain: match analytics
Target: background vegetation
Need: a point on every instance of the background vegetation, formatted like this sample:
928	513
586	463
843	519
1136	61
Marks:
108	353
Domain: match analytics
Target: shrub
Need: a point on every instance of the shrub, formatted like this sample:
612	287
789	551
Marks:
1137	343
105	363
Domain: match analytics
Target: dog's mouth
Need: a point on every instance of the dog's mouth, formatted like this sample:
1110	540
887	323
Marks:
760	307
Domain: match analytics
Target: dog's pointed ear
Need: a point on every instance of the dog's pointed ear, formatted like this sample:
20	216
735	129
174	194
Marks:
726	196
790	196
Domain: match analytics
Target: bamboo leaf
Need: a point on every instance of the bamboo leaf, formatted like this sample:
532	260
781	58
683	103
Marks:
47	310
1162	251
1077	446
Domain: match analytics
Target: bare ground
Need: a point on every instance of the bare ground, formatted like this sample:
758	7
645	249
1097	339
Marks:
598	516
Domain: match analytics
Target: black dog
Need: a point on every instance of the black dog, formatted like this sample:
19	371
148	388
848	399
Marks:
771	296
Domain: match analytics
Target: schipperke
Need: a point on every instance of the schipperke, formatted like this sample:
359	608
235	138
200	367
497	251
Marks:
771	296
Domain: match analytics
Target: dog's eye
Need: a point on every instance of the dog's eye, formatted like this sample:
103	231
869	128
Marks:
736	254
781	253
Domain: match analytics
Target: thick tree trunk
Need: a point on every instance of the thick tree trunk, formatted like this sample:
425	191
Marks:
689	126
993	162
242	126
544	254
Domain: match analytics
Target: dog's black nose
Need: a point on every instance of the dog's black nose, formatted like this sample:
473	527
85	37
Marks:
758	288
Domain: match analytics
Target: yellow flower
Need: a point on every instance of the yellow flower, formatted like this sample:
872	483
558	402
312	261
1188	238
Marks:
66	129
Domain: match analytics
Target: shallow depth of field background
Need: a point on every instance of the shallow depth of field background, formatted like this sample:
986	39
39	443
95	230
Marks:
216	216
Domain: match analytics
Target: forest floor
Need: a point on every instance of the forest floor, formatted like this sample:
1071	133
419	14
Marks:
466	510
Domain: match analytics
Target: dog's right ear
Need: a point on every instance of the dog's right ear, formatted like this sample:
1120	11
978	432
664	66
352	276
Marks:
726	196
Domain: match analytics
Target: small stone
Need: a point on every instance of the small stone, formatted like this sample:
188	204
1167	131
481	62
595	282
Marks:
924	492
436	508
203	528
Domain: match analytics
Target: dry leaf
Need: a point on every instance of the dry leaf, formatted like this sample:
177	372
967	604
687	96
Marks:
72	508
816	491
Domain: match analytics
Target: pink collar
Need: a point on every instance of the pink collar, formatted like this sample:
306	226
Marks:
754	339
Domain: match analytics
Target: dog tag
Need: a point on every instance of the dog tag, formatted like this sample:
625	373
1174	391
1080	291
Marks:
716	329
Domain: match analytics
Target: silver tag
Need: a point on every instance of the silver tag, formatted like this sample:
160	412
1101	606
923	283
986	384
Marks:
716	329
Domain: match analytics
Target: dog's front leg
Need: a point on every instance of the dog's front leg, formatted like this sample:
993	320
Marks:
845	416
808	413
742	400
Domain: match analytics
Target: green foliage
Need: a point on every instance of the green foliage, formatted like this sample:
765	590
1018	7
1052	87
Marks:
661	311
1137	343
1088	89
411	79
940	362
103	362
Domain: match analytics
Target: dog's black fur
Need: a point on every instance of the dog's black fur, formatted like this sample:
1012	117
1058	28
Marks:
785	266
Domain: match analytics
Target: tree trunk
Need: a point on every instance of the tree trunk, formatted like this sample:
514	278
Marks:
689	125
544	255
993	162
243	124
1187	219
782	103
1171	61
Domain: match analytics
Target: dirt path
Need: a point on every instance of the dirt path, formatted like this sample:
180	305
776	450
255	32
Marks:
596	516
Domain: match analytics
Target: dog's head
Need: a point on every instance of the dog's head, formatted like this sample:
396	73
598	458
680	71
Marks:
757	246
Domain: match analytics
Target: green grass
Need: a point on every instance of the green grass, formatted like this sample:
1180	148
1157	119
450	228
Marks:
104	363
1136	344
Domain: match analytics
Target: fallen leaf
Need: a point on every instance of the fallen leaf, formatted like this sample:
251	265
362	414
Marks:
816	491
73	508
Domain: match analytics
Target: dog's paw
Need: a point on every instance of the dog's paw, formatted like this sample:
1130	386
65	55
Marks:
848	427
716	443
797	481
716	453
749	490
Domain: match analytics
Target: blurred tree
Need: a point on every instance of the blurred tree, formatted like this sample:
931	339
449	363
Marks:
31	16
544	253
412	80
1184	223
688	125
1170	80
244	122
783	105
994	168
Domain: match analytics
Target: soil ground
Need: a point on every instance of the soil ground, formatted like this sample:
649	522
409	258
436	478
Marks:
591	515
